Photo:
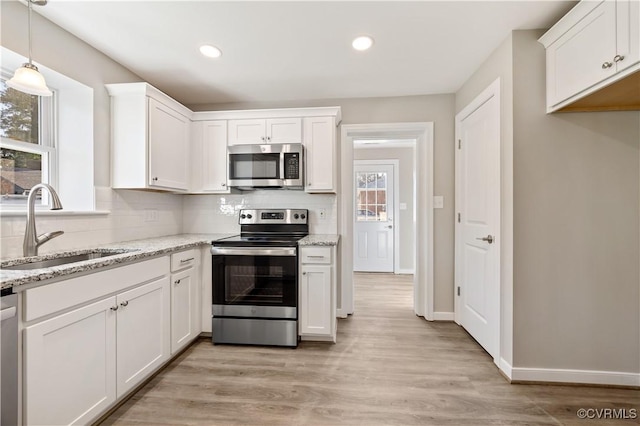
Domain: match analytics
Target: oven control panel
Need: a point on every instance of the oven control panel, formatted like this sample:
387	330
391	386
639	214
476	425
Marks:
273	216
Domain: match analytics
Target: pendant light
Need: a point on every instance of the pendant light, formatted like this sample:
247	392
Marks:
27	78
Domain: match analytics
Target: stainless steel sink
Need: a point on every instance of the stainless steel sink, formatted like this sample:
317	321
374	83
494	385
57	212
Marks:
64	260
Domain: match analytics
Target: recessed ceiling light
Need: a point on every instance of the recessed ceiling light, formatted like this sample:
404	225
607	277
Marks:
210	51
362	43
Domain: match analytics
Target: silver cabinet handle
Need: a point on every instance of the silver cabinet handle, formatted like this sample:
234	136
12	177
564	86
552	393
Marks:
224	184
269	138
114	308
618	58
607	65
390	226
488	238
187	260
304	273
315	256
125	303
262	138
177	282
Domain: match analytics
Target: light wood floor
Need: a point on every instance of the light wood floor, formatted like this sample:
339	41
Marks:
388	367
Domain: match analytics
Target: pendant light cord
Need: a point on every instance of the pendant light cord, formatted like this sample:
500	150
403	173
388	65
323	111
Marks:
29	1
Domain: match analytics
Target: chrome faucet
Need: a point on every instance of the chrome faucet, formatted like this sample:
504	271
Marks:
31	240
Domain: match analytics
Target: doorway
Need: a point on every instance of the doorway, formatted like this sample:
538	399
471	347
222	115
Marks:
422	134
374	226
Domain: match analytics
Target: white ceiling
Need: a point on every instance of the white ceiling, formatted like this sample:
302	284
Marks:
287	51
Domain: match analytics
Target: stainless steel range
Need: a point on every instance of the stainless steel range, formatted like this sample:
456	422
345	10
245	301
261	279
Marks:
255	279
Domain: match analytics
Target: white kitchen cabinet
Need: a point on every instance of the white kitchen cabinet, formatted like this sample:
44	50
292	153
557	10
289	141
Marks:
184	299
143	333
209	157
317	295
150	139
70	365
264	131
593	46
89	340
320	154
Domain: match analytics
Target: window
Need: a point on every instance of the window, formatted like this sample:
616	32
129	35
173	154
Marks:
27	149
371	196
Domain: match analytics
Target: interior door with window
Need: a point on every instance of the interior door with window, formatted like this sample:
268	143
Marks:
373	227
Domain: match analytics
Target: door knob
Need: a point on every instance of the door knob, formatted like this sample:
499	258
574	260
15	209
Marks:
488	238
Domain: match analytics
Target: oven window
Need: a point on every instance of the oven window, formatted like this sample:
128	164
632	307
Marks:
254	166
255	280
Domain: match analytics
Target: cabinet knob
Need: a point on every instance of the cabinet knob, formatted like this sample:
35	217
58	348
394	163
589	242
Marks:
125	303
268	138
262	138
176	282
618	58
114	308
224	184
155	179
607	65
304	273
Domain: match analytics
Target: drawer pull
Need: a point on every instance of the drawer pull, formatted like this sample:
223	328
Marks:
316	256
187	260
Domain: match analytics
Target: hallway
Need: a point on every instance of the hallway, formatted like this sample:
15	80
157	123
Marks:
388	367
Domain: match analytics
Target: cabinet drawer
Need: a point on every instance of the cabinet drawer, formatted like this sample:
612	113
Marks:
183	259
317	255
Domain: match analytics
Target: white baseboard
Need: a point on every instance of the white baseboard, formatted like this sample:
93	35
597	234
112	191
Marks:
443	316
405	272
574	376
506	368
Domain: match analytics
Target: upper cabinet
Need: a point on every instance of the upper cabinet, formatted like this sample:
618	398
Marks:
209	157
593	57
320	152
150	139
263	131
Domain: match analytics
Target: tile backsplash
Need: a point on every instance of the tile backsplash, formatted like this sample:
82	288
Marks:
141	214
133	215
219	213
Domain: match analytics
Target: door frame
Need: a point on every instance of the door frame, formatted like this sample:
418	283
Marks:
422	132
396	206
492	91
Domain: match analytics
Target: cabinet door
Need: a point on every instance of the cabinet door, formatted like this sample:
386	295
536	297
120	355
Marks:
580	57
70	365
214	156
142	332
168	147
284	130
628	33
315	300
320	152
183	309
243	132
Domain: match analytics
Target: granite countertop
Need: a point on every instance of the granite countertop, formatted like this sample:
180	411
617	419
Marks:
320	240
127	251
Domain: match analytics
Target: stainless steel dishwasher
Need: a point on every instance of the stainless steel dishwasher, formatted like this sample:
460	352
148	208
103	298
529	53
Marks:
9	358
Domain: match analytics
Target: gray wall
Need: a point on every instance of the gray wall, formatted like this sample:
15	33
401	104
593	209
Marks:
576	229
576	239
406	230
438	109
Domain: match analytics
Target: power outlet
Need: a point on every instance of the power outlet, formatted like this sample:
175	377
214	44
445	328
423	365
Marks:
151	215
322	213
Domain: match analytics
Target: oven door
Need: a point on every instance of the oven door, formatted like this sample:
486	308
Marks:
255	282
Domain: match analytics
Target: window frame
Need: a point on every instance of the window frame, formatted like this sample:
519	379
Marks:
46	147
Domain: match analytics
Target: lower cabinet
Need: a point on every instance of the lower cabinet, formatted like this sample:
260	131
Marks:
142	333
185	309
80	358
70	366
317	295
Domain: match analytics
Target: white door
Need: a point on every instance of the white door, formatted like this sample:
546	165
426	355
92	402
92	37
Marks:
373	220
478	223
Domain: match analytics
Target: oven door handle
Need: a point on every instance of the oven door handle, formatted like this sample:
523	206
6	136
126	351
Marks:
253	251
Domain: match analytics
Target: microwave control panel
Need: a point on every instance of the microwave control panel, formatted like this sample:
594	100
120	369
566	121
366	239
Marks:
292	165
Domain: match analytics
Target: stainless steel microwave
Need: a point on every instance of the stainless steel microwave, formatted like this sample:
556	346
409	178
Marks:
266	166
